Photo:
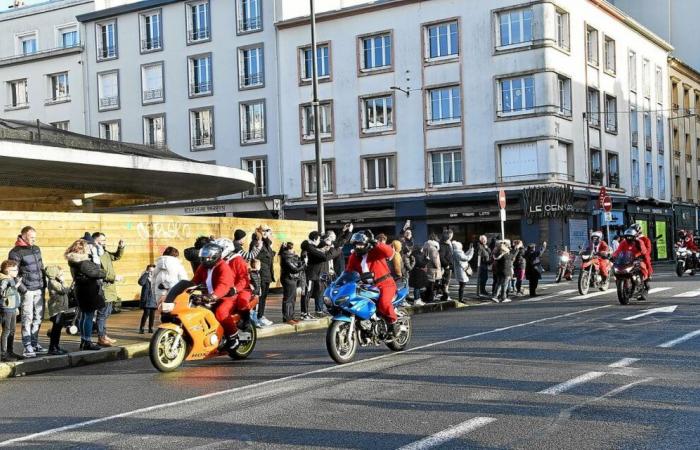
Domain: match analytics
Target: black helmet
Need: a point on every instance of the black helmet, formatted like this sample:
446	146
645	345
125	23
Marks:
631	234
360	242
682	234
210	254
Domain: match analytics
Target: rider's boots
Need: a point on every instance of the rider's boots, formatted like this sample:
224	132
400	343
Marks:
232	341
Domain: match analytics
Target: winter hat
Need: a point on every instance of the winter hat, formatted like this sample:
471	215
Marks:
88	238
314	235
238	235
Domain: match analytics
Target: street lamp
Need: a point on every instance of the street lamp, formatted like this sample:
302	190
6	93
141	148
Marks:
320	213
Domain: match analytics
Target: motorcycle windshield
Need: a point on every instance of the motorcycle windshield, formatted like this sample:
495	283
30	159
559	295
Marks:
346	278
625	259
178	289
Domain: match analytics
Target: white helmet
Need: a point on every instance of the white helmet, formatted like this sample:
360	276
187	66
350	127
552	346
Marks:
598	234
227	246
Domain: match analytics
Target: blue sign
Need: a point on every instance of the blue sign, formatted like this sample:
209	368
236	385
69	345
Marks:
618	218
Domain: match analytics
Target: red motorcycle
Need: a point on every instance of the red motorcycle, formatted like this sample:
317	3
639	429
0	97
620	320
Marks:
566	265
591	275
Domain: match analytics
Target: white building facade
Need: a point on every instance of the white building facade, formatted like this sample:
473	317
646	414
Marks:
198	76
428	106
41	49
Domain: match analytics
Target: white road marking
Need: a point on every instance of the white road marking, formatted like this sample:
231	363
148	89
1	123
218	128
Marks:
565	386
658	289
449	434
665	309
539	299
681	339
624	362
593	294
185	401
586	377
689	294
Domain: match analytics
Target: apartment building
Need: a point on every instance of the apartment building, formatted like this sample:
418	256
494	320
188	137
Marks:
41	51
198	76
427	106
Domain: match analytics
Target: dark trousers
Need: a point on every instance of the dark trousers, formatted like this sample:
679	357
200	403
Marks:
264	291
149	313
102	315
289	296
534	281
462	285
445	284
8	321
55	333
501	282
483	278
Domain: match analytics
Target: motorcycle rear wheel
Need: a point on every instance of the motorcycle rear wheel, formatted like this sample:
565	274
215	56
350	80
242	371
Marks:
160	350
401	341
340	344
246	348
623	294
584	282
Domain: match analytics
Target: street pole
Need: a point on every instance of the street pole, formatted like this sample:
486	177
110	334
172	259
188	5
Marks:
320	213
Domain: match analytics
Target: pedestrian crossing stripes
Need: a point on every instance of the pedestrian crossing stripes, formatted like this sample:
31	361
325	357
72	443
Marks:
689	294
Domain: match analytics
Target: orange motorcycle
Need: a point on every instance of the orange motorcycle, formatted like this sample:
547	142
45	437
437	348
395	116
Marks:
189	330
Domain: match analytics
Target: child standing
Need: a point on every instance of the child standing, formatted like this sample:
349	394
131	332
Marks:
256	287
148	300
9	302
59	311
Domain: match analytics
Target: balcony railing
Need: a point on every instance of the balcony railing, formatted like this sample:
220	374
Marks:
151	44
106	52
254	79
542	176
253	135
198	34
203	141
200	88
250	23
57	99
109	102
597	177
152	94
17	105
39	54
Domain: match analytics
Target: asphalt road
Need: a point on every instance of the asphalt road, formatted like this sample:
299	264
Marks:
562	372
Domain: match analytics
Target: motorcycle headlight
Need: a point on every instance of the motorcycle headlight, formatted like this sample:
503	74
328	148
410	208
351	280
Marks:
167	307
565	258
342	300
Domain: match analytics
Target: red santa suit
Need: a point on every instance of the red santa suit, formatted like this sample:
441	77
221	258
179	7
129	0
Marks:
375	261
647	256
639	250
603	248
689	243
241	281
219	281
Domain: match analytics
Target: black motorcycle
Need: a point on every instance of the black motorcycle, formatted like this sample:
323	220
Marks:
628	278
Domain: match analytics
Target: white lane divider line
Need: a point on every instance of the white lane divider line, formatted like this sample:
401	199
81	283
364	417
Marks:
593	294
664	309
679	340
624	362
539	299
565	386
586	377
658	289
449	434
75	426
688	294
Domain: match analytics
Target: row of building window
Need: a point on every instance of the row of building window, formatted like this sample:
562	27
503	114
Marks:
198	17
57	88
27	43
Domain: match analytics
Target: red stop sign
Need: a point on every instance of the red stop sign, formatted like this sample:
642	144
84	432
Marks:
502	199
607	204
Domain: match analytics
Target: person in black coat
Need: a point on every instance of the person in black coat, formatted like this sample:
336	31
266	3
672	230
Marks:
418	275
446	262
317	255
148	301
266	257
533	266
291	268
192	253
483	259
87	277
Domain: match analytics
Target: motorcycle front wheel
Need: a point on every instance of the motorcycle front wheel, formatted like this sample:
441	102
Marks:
584	282
401	341
680	268
624	291
246	348
163	356
560	274
340	342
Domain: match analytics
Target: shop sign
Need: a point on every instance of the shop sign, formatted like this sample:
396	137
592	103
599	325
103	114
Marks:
542	202
617	218
649	210
206	209
578	233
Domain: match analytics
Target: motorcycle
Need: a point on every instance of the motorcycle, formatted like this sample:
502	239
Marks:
628	278
352	301
590	275
566	266
686	262
189	330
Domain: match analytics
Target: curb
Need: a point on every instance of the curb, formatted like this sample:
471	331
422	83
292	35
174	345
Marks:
140	349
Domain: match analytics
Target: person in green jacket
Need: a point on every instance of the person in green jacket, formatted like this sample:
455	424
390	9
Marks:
105	259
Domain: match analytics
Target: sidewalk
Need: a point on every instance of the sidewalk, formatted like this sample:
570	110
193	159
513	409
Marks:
124	328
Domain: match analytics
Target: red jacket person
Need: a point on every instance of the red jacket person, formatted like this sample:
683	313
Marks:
370	256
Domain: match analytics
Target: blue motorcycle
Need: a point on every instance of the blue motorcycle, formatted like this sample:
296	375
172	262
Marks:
352	301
